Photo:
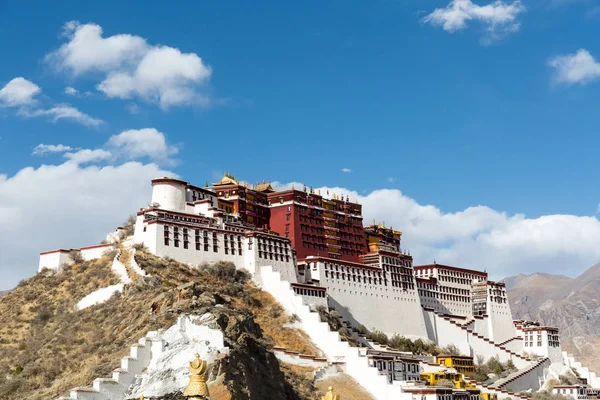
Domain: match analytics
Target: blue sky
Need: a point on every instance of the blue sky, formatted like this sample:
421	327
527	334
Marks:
497	111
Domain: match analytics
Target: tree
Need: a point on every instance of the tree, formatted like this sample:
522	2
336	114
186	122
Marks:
76	256
494	365
129	226
451	349
510	366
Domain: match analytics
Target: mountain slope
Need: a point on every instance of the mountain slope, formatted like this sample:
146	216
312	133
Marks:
47	347
572	305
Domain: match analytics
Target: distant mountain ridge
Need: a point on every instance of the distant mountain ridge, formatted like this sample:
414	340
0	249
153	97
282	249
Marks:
572	305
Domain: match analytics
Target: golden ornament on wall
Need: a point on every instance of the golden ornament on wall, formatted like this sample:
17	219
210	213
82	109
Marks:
197	388
330	395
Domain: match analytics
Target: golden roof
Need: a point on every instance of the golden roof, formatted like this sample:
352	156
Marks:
228	179
265	187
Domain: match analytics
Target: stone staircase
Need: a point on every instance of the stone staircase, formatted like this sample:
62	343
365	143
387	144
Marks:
115	387
592	379
336	350
329	369
531	377
479	344
501	393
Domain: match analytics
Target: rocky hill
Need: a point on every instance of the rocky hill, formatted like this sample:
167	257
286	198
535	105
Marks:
573	305
48	347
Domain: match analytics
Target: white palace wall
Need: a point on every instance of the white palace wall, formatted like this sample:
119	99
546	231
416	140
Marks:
376	306
55	259
256	251
501	326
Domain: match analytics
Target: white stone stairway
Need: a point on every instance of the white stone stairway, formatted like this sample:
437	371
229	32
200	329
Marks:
336	350
114	388
501	393
477	344
531	377
592	379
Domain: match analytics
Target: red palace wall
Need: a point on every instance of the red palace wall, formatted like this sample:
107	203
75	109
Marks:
315	231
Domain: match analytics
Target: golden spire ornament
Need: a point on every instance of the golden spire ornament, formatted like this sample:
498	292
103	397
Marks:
330	395
197	388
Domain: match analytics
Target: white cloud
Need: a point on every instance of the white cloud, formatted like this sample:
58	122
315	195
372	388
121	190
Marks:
71	91
87	51
164	76
19	92
80	205
132	108
580	67
63	111
134	69
498	17
85	156
147	142
346	170
50	148
391	179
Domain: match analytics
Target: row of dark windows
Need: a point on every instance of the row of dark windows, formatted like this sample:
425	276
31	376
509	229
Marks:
309	292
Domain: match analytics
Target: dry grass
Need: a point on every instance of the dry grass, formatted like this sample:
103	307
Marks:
47	347
273	320
218	390
344	385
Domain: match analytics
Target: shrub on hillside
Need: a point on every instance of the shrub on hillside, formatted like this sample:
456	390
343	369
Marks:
378	337
226	271
568	379
76	256
418	346
361	330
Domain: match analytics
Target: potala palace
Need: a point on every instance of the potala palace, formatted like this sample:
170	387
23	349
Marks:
311	249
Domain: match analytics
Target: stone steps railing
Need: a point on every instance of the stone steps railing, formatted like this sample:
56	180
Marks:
115	387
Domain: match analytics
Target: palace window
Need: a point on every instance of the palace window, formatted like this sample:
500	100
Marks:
176	243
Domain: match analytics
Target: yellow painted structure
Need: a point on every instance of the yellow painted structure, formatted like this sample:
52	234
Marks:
462	364
433	378
489	396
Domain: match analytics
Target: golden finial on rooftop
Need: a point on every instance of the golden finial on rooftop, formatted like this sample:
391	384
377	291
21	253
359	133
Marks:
197	388
293	188
142	397
330	395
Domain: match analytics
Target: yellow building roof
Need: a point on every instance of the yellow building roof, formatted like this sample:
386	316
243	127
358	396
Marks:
228	179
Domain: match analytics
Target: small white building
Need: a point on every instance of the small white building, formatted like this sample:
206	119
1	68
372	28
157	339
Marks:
54	259
540	340
439	393
396	367
575	392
